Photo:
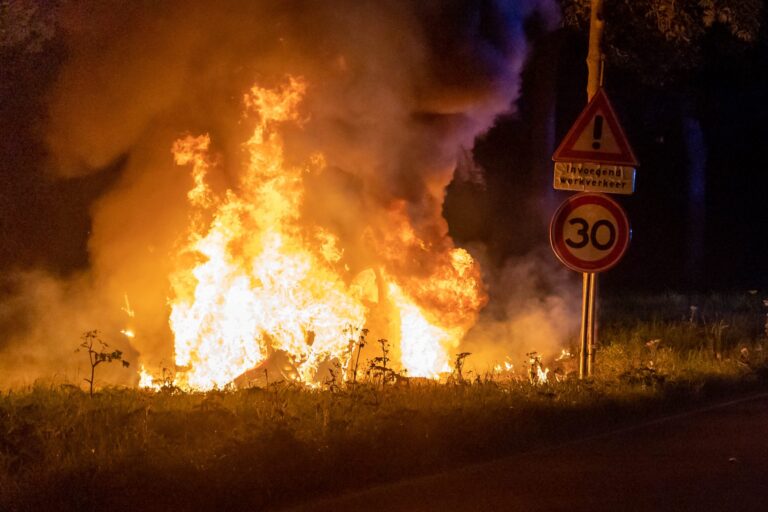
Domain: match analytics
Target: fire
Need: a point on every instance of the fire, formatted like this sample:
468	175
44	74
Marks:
542	375
427	338
537	373
254	277
146	380
422	344
128	332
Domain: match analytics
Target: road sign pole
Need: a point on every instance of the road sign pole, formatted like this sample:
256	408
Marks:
595	51
589	232
594	329
595	68
588	324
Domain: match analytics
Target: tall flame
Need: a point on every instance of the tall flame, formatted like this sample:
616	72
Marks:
254	277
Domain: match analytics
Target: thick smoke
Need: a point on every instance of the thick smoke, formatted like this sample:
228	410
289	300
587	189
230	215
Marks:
397	90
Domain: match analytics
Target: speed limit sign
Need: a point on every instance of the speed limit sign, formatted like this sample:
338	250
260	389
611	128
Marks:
589	232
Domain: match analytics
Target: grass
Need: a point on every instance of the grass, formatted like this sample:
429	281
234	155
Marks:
256	448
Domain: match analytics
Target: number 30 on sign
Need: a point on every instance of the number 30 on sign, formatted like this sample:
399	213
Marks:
589	232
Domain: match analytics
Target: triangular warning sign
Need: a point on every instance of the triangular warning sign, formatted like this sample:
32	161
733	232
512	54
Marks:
596	137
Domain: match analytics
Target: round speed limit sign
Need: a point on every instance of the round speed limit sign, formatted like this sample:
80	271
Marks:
589	232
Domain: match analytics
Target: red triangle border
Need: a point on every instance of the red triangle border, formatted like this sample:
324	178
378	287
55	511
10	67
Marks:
565	151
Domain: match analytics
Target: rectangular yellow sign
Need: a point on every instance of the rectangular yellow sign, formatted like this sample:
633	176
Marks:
589	177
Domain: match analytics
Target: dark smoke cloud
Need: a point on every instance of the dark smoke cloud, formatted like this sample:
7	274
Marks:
397	89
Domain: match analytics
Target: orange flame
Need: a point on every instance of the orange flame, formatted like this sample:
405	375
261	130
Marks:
254	277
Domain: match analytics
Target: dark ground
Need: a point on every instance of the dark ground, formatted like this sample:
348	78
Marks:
714	458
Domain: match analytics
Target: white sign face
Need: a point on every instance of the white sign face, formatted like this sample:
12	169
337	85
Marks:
589	232
589	177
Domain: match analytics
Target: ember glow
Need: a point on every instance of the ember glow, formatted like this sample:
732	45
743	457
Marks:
256	277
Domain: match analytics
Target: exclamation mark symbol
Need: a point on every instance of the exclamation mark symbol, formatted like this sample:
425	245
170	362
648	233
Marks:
597	132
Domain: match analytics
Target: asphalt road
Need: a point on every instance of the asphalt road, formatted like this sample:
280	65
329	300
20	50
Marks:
713	459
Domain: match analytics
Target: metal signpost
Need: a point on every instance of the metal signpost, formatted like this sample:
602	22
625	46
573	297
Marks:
590	232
